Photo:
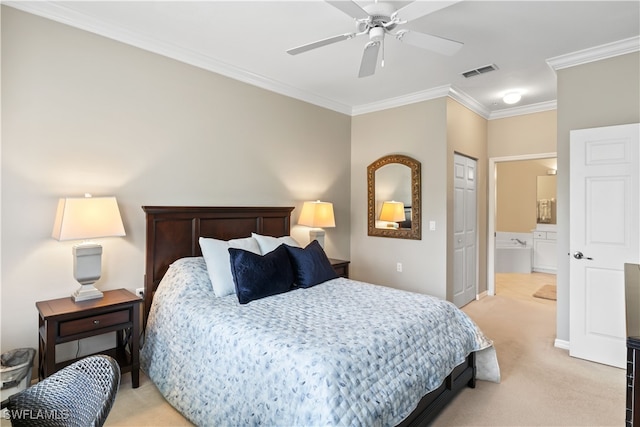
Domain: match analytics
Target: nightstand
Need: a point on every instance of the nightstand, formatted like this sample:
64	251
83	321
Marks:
341	267
62	320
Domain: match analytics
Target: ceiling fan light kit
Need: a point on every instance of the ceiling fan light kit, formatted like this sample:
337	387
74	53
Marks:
376	34
379	19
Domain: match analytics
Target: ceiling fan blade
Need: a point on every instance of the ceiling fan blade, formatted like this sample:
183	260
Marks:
419	8
369	59
320	43
350	8
429	42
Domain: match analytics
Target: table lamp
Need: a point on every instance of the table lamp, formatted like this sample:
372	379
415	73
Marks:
83	218
392	212
317	215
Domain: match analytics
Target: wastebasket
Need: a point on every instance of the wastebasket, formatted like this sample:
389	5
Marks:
15	370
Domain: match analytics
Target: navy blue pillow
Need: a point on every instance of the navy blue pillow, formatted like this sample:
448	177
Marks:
310	265
258	276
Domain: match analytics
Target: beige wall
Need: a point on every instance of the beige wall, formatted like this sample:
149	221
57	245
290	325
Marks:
419	131
430	132
467	135
603	93
516	193
512	139
82	113
534	133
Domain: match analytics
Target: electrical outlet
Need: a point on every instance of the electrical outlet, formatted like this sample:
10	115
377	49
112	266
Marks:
140	292
399	267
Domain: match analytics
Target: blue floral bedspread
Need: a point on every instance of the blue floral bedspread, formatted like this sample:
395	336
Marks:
339	353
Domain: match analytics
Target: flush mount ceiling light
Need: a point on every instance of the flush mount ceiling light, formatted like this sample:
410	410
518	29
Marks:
512	98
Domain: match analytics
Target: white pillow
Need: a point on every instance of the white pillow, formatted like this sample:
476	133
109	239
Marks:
269	243
216	256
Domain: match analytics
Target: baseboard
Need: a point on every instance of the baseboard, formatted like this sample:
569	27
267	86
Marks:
561	344
546	270
481	295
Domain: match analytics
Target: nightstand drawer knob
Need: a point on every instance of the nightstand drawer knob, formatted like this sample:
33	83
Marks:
96	322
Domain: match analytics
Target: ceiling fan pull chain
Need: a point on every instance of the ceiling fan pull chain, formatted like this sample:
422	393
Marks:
382	62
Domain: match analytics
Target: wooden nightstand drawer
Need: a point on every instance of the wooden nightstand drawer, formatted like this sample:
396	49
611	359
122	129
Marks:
73	327
340	266
62	320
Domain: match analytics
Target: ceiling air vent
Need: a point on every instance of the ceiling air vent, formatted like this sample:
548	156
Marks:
480	70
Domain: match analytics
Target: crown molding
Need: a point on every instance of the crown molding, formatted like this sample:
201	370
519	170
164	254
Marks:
597	53
525	109
59	13
399	101
425	95
469	102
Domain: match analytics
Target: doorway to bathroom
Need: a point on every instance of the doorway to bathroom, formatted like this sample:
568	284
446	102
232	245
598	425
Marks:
520	218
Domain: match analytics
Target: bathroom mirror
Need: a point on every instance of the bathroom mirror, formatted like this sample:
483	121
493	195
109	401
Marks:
546	199
394	204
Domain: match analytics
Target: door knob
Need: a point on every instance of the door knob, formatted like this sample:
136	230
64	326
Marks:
580	255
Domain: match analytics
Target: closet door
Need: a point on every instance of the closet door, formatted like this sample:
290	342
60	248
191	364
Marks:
465	261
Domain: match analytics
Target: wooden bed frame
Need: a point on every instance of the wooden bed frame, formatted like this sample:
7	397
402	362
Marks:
173	232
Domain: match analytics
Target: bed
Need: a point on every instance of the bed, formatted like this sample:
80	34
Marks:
338	353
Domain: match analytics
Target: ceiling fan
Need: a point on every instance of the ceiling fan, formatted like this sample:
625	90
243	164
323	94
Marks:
381	18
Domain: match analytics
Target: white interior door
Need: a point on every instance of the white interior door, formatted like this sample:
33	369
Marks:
465	265
603	235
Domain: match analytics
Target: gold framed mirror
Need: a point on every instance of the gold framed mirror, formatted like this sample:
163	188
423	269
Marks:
393	194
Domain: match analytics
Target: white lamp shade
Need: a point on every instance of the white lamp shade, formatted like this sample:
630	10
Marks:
317	214
79	218
392	211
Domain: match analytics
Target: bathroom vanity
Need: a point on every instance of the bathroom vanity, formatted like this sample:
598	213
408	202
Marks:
545	257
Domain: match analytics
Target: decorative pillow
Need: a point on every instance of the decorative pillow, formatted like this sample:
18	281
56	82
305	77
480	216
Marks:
269	243
310	265
259	276
216	256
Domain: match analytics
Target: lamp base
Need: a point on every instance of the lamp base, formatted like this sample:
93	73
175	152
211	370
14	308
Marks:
86	292
317	234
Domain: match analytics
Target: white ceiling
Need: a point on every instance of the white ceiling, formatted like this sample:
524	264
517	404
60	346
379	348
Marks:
247	41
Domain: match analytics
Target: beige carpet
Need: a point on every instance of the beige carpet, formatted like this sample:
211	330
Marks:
546	292
541	385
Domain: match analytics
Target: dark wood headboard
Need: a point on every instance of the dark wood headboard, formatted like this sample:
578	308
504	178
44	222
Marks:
173	232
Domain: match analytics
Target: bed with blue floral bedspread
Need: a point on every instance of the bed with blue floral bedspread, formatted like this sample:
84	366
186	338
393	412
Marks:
339	353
